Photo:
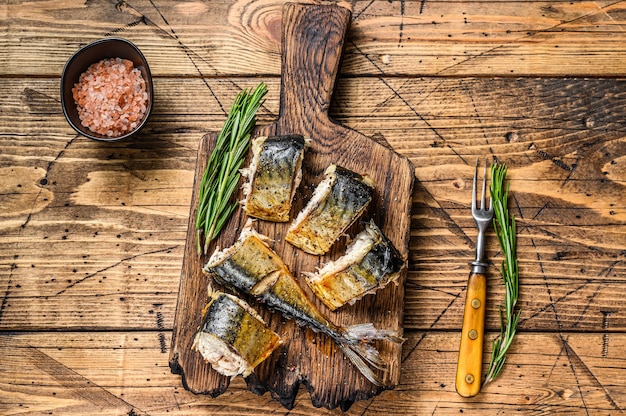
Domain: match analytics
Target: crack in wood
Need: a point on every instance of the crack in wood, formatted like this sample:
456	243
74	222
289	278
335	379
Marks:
419	286
571	354
7	292
554	364
397	94
364	412
358	15
190	53
124	7
529	35
539	211
43	182
590	299
442	214
457	154
607	271
552	303
423	336
527	227
478	116
574	357
567	350
75	382
122	261
571	172
137	174
544	276
39	102
142	19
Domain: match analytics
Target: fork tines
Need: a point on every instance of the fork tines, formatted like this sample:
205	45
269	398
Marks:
484	189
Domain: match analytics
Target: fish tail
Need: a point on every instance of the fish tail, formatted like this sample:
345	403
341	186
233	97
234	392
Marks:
368	332
355	345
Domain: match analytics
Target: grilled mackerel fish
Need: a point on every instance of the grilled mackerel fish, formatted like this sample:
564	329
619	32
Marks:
251	267
273	176
232	336
371	261
336	203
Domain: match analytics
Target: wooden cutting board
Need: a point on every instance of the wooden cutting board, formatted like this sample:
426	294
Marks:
312	38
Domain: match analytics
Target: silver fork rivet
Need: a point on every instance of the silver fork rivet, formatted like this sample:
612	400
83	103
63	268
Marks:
473	334
475	303
469	379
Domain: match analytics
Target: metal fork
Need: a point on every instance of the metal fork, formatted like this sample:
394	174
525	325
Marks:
469	368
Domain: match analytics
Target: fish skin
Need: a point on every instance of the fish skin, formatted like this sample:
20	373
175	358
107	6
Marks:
376	263
237	271
231	326
222	317
336	204
273	176
253	265
281	292
287	297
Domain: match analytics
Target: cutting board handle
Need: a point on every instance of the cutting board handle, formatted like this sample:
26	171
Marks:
313	36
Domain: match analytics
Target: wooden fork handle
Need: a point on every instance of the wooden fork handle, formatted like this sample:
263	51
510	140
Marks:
469	368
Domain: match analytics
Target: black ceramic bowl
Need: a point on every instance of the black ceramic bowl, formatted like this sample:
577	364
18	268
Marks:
90	54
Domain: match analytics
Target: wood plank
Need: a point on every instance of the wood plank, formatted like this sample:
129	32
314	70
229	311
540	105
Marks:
562	138
124	372
449	38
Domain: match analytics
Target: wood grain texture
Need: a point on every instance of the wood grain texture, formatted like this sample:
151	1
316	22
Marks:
127	373
411	37
313	37
92	237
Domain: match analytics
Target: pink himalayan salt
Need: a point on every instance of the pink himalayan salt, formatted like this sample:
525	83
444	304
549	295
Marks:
111	97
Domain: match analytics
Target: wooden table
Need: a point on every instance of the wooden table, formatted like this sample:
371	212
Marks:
92	234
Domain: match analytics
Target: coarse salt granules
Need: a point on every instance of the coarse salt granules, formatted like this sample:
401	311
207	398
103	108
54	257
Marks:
111	97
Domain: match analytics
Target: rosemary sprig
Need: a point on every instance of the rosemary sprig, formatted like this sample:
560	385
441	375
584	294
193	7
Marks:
221	175
505	229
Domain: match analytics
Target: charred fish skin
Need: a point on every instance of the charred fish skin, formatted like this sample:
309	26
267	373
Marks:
337	202
273	176
371	261
232	336
287	297
251	267
245	266
278	289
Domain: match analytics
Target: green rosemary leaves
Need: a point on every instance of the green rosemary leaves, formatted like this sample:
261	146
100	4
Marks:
505	229
221	176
